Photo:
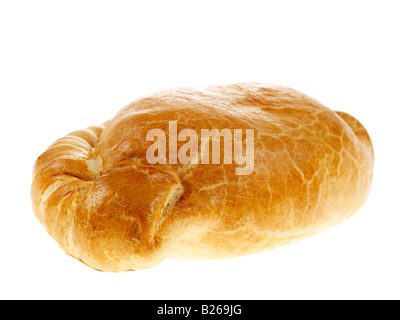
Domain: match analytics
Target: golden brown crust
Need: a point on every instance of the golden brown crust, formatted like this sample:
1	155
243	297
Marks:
105	205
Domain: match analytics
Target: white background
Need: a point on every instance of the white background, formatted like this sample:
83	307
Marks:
66	65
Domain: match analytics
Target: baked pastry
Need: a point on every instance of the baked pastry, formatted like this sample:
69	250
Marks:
99	197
